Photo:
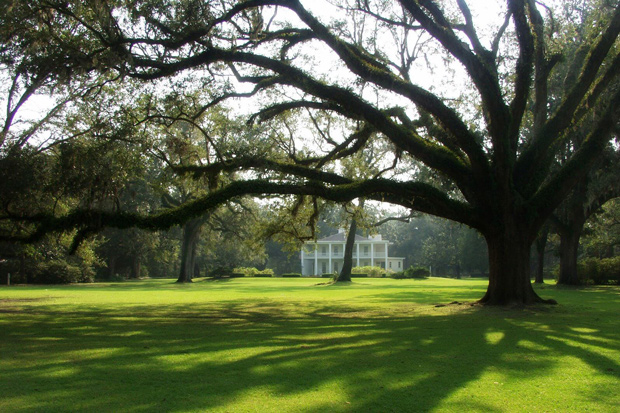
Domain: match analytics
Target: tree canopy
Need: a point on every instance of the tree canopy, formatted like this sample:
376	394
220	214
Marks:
316	90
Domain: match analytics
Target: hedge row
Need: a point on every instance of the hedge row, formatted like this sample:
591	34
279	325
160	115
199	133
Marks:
412	272
248	272
369	271
252	272
60	271
240	272
599	271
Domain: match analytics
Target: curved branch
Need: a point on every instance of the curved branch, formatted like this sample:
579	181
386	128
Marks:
435	156
418	196
538	149
481	68
368	68
527	57
272	111
555	189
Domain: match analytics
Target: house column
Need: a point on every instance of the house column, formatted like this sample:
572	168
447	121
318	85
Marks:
358	254
386	256
329	269
316	259
372	254
302	260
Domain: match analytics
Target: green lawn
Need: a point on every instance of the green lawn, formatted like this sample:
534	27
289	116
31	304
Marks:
292	345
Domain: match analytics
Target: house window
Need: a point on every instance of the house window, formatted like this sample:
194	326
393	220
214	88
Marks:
335	249
399	264
390	264
324	250
365	249
324	267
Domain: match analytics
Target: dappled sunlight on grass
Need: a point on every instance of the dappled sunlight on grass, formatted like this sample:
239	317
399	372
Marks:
494	337
290	345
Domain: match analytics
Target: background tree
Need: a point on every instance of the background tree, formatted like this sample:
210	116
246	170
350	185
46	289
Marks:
602	238
450	249
574	23
347	264
540	245
587	198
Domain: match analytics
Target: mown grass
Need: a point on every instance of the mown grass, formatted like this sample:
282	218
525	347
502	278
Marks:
292	345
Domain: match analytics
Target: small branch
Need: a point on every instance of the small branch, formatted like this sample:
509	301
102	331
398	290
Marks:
405	218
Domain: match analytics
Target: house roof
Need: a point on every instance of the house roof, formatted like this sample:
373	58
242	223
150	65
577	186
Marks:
341	236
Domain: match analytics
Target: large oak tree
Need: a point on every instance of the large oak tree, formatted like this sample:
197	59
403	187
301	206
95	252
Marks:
497	165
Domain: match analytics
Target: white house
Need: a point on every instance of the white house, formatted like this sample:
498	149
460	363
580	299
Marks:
326	255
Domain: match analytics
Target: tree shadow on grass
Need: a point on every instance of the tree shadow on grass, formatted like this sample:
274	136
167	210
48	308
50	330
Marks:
230	356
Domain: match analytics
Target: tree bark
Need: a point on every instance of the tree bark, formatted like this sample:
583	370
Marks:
569	249
509	269
345	272
191	235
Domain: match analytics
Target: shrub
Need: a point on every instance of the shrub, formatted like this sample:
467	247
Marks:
219	272
88	274
375	272
244	272
251	272
267	272
329	275
291	275
412	272
115	278
417	272
599	271
358	275
61	272
398	275
611	268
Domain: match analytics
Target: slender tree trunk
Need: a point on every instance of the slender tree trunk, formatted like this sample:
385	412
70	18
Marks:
540	244
345	272
22	268
509	268
191	235
111	266
135	266
569	249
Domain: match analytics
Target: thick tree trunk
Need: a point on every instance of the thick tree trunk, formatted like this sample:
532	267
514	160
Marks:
345	273
509	269
540	244
569	249
191	235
